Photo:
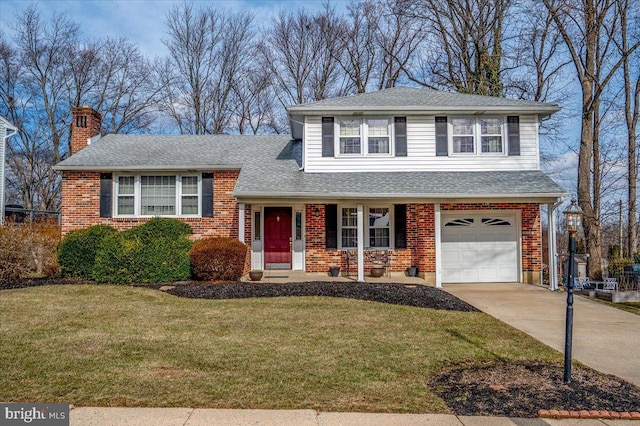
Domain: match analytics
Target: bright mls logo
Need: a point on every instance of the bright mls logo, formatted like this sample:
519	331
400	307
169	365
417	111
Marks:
35	414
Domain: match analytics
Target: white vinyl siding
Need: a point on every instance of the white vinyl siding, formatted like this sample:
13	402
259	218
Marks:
421	151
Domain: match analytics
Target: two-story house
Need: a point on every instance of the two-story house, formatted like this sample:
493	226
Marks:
450	183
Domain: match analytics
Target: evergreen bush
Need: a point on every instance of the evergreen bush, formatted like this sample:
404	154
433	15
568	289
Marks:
77	251
157	251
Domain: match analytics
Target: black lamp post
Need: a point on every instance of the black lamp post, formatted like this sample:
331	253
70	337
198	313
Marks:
574	219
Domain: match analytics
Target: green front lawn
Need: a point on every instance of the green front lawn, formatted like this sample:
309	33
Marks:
92	345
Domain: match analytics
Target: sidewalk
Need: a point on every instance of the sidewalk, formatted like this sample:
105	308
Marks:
87	416
604	338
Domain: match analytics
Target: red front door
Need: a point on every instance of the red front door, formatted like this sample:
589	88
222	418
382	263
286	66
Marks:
277	237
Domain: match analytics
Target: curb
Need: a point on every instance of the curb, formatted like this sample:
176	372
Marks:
592	414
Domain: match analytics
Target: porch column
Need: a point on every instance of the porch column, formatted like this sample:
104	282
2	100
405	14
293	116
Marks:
551	243
241	222
360	220
436	224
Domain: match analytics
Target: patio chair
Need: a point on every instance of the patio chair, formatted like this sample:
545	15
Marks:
582	283
610	284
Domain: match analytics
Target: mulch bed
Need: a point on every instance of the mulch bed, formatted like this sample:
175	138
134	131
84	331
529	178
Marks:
397	294
521	390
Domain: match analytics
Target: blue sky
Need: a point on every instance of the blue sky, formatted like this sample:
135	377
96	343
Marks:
142	21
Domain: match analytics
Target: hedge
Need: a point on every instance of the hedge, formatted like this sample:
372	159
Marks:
77	251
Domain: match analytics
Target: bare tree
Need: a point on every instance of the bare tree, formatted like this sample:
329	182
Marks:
465	49
301	52
588	30
358	52
46	70
208	49
632	114
255	103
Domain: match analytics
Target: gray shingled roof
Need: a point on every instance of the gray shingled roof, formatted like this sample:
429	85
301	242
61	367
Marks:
282	179
171	152
270	168
421	100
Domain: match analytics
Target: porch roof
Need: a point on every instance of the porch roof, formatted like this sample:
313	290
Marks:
263	178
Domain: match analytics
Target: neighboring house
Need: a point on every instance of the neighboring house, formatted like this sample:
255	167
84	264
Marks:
5	127
450	183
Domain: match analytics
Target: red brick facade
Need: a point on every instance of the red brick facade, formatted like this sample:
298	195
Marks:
81	206
420	249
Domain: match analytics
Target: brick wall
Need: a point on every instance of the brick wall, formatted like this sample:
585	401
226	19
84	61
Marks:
86	123
81	206
420	242
531	233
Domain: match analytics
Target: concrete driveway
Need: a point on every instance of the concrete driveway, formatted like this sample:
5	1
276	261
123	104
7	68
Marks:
604	338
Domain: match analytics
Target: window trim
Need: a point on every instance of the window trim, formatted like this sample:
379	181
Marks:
137	208
365	212
364	136
477	135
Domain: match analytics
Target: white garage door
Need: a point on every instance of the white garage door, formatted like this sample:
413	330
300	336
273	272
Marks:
479	248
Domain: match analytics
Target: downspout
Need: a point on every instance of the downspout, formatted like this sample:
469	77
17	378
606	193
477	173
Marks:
551	240
4	154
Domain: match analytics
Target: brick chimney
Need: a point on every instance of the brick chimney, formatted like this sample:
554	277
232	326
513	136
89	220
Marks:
86	124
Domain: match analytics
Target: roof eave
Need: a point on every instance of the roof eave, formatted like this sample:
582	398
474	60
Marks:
450	197
425	110
144	168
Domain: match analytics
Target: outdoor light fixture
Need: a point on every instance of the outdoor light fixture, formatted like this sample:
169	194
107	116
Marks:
573	215
317	212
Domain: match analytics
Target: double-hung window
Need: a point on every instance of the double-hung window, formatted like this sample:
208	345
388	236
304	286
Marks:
349	222
126	195
158	195
471	135
364	136
377	226
378	135
350	136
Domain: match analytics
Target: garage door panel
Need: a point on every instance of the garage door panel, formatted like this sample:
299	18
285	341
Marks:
479	248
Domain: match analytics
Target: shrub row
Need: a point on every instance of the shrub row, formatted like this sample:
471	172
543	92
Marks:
28	251
157	251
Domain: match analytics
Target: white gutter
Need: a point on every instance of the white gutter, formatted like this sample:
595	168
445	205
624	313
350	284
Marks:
394	195
112	168
551	243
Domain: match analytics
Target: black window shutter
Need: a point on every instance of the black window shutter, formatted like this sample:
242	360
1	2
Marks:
400	219
331	225
207	195
442	139
400	130
513	133
106	188
327	136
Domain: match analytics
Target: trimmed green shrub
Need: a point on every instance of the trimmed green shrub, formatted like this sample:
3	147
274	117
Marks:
161	228
218	259
77	251
116	259
157	251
